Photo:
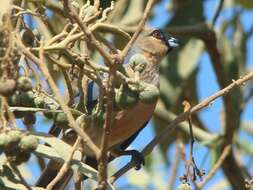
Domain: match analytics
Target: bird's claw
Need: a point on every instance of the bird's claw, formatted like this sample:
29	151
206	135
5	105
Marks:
137	159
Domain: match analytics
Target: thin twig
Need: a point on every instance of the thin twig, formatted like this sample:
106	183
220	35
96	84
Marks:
97	3
217	12
217	165
231	116
174	166
69	86
103	159
79	184
64	107
9	113
86	139
139	29
16	170
182	117
65	166
190	163
73	16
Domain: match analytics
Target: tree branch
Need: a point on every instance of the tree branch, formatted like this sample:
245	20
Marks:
217	165
182	117
65	166
139	29
40	62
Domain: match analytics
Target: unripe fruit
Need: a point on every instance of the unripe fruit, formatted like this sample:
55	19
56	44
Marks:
61	120
4	140
149	94
13	151
14	136
24	84
39	102
28	143
27	37
18	158
27	99
50	115
184	186
95	120
138	62
14	100
126	98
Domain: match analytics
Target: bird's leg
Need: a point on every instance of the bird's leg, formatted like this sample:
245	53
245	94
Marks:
136	157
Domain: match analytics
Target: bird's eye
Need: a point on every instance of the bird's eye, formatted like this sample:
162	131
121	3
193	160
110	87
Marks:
158	34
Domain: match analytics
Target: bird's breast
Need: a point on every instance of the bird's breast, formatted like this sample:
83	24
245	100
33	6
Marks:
127	122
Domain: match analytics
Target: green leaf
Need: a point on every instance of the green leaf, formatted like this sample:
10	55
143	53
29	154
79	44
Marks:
214	153
244	146
10	181
55	144
169	92
48	152
189	56
213	142
247	4
246	126
61	155
135	8
143	178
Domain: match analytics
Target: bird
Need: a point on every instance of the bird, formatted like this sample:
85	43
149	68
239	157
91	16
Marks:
149	48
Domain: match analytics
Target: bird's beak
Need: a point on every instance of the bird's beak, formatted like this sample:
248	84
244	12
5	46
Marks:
173	42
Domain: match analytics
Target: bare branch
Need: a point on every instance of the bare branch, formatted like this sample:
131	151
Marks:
140	27
65	166
86	139
217	165
182	117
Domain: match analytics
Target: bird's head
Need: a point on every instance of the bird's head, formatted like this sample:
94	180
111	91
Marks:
157	44
160	39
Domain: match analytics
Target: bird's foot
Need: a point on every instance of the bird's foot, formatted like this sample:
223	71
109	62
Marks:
136	157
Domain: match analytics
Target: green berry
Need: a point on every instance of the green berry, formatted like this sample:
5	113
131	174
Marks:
125	97
39	102
14	136
24	84
95	120
27	99
19	157
11	151
149	94
28	143
4	140
27	37
14	100
50	115
61	120
138	62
